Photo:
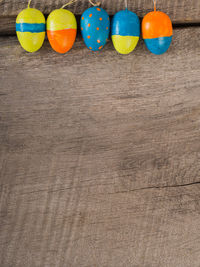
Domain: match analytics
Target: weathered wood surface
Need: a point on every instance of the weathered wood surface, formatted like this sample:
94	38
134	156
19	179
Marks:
7	26
100	156
180	11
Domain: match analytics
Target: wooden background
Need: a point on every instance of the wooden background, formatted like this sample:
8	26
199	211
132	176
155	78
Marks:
99	152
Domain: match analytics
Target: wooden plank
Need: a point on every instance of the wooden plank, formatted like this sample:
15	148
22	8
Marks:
180	11
100	156
83	227
7	26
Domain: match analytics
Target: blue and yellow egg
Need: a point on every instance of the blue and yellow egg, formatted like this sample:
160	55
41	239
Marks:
30	28
95	28
125	31
157	32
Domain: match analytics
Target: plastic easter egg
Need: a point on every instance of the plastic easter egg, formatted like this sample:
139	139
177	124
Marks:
125	31
157	32
61	30
95	28
30	28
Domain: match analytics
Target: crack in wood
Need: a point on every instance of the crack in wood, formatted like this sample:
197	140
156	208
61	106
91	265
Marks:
155	187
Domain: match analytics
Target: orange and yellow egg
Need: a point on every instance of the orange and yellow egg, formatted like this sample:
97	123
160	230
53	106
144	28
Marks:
61	30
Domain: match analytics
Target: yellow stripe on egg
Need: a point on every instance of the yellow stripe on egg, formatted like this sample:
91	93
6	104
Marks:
124	44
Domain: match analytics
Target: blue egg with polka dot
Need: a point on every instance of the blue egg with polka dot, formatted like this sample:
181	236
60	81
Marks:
95	28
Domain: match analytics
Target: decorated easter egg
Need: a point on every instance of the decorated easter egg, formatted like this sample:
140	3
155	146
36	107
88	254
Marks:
61	30
157	32
95	28
30	28
125	31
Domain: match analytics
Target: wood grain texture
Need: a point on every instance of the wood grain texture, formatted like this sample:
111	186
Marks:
100	156
180	11
7	26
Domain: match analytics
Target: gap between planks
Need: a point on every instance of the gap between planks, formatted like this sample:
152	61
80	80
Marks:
7	25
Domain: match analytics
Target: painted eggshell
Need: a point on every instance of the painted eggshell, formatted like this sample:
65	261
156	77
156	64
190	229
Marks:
95	28
30	28
157	32
125	31
61	30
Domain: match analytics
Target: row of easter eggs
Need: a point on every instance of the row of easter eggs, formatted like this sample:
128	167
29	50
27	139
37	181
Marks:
95	27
